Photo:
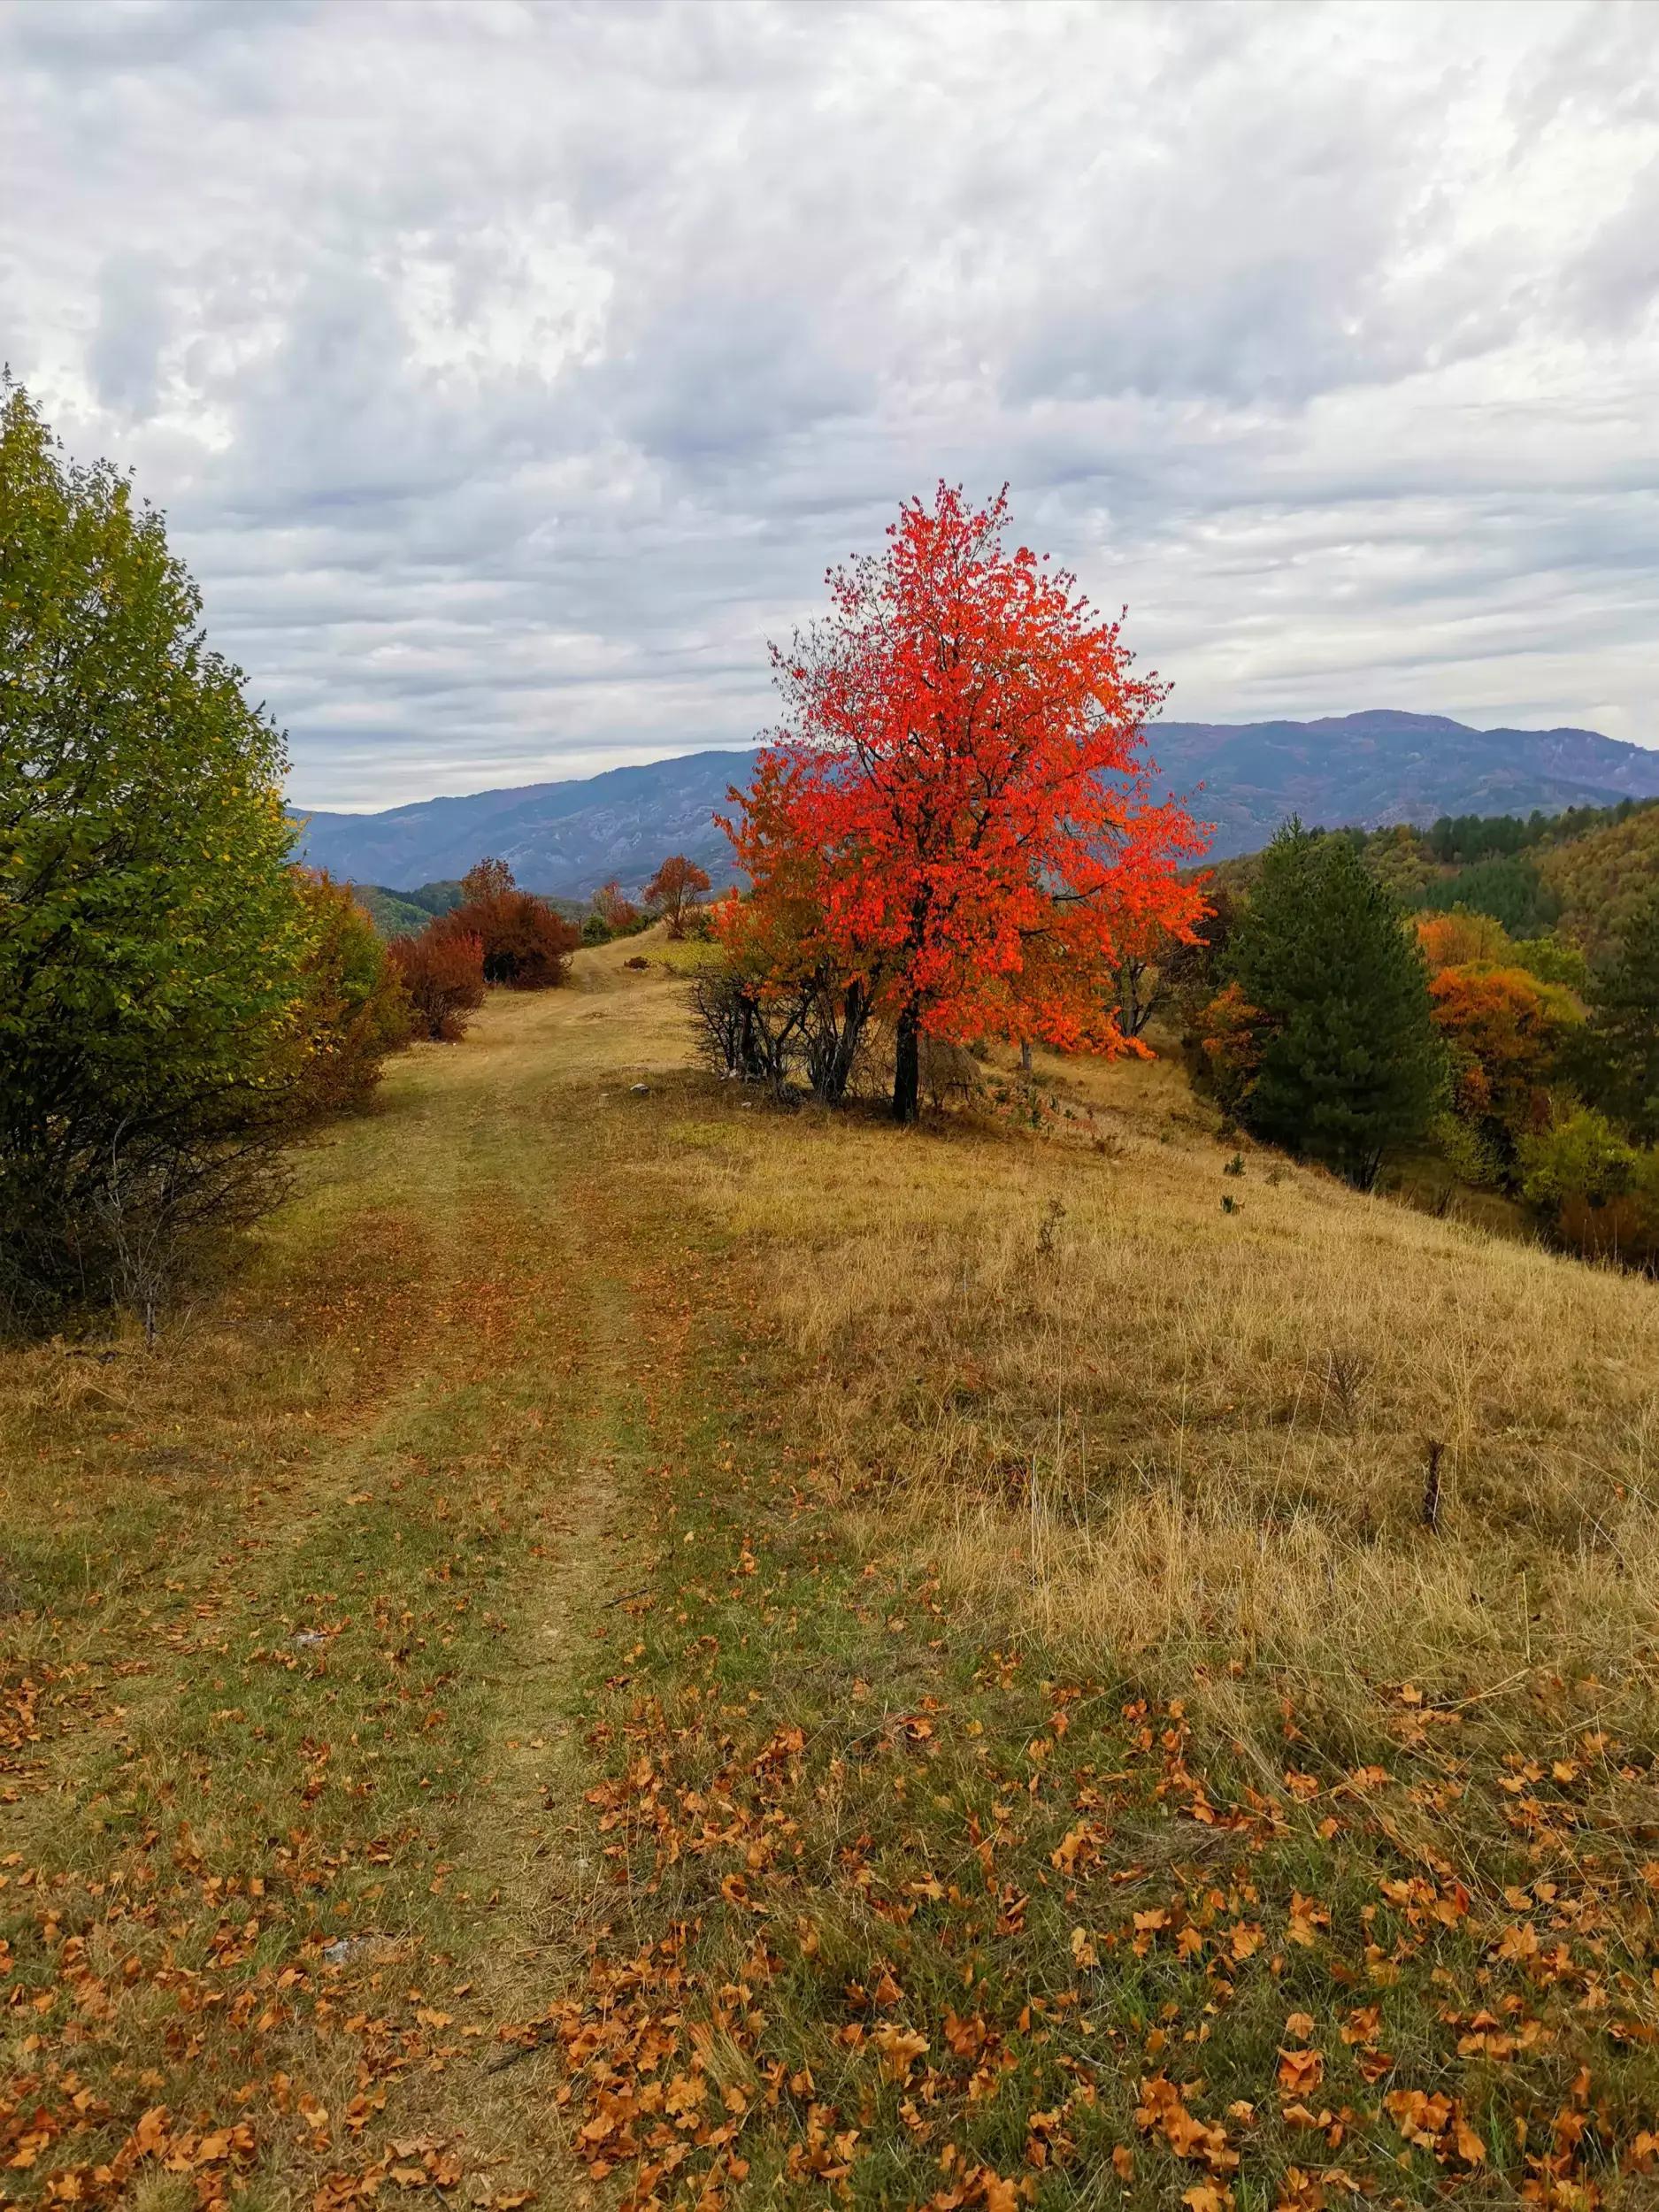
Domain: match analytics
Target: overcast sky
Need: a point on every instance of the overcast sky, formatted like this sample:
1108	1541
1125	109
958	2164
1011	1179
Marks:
509	372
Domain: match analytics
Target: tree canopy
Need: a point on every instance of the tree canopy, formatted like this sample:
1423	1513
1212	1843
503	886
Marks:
958	794
150	938
677	885
1621	1044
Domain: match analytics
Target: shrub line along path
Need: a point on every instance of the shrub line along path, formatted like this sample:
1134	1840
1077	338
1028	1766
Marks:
647	1652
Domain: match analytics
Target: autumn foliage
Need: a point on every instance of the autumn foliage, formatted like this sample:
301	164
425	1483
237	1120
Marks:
497	934
442	975
354	1013
1460	938
485	878
614	914
954	823
676	887
1505	1030
524	943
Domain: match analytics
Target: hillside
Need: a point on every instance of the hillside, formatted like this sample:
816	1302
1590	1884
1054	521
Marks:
1368	769
655	1644
561	838
1598	876
392	915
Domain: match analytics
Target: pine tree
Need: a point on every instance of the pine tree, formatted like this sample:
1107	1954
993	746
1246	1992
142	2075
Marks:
1621	1044
1350	1064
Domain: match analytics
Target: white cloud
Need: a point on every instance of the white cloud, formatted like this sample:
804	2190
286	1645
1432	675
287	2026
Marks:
509	372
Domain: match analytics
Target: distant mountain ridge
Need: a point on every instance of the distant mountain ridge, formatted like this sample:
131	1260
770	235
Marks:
1366	769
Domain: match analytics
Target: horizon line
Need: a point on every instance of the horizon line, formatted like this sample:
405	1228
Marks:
656	760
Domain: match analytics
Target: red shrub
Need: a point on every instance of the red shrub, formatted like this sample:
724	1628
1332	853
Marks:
526	944
442	974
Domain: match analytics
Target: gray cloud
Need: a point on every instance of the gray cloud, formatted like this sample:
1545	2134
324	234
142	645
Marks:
511	371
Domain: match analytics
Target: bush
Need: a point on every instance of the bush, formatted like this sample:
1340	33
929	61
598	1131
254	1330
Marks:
524	943
617	916
151	941
441	971
756	1028
1469	1152
1230	1036
1596	1191
355	1010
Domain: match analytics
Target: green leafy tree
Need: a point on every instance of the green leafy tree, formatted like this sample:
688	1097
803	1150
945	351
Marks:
1350	1064
151	936
1621	1044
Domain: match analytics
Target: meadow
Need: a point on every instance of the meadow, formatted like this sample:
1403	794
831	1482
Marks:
647	1649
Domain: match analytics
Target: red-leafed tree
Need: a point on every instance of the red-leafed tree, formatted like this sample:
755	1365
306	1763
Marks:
956	809
678	883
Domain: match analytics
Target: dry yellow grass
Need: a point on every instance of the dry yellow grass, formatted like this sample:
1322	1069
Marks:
1116	1415
1177	1431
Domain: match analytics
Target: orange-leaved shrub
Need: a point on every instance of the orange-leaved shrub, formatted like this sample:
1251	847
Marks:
442	974
1231	1038
1506	1030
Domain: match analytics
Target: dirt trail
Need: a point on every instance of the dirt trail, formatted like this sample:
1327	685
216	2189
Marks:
296	1764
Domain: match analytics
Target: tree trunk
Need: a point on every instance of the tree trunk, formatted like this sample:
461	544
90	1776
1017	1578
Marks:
907	1066
753	1061
854	1008
1024	1056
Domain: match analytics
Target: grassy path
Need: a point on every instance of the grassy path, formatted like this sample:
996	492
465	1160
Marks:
290	1786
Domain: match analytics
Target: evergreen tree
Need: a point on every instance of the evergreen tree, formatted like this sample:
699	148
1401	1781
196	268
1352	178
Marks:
152	939
1349	1061
1621	1043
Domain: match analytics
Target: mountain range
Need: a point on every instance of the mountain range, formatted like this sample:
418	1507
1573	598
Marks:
1369	769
